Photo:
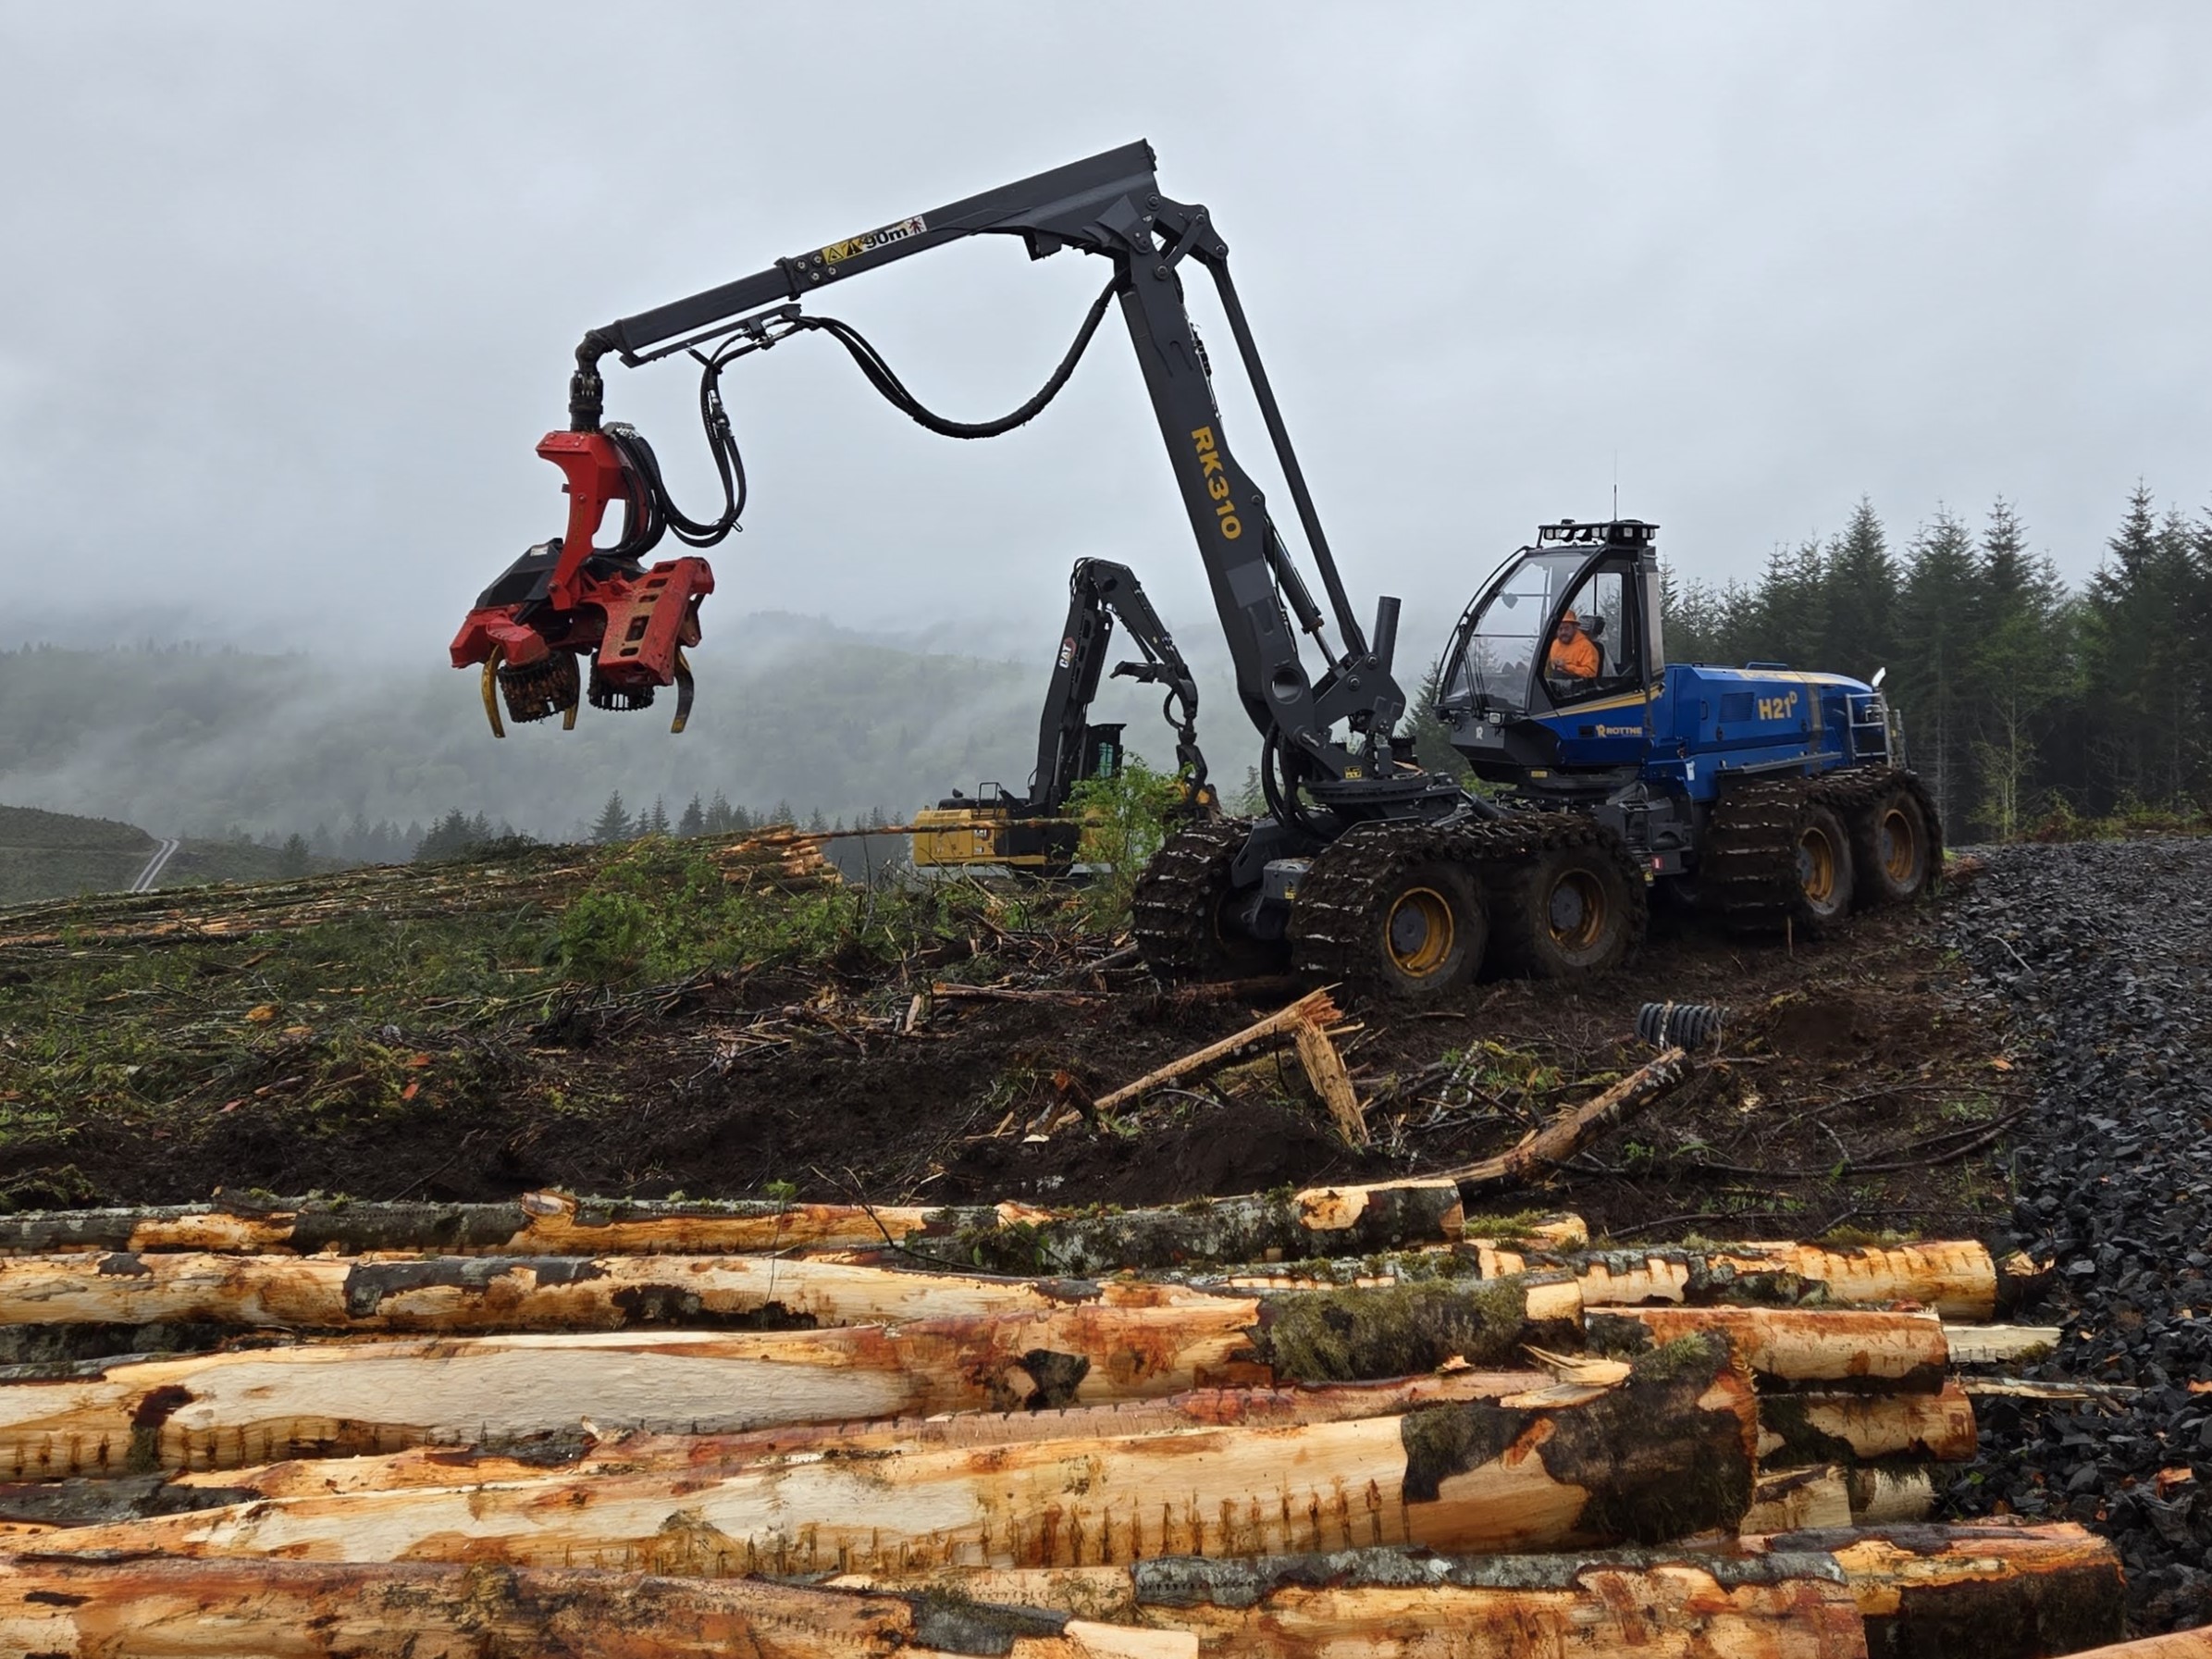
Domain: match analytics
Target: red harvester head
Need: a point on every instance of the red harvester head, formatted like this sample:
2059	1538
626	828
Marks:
565	599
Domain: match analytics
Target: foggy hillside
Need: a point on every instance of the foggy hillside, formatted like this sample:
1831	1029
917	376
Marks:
790	710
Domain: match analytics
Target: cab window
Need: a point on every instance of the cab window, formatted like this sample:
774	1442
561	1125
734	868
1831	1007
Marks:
1597	654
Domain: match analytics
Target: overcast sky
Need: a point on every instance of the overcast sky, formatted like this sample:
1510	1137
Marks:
290	292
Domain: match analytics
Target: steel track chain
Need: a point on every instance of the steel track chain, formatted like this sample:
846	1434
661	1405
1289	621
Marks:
1171	909
1749	873
1331	924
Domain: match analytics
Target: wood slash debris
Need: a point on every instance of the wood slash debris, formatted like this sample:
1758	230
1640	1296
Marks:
570	1426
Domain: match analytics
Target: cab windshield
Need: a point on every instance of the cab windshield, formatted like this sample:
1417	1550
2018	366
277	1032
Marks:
1495	670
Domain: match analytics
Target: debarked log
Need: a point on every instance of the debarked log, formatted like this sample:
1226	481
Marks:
1801	1427
499	1293
1843	1348
1003	1238
1656	1605
63	1609
1791	1500
720	1454
1956	1278
1130	1341
1975	1590
1666	1453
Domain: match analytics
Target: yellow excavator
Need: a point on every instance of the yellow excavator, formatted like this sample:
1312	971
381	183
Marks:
1030	834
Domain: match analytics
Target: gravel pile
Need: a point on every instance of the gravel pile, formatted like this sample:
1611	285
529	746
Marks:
2101	953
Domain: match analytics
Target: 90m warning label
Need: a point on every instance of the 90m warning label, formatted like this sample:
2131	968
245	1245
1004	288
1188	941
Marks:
837	253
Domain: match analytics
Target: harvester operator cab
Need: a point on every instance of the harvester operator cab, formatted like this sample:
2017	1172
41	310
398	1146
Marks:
1548	667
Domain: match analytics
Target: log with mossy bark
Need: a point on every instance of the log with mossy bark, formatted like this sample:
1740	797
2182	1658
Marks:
1956	1278
62	1609
1664	1454
1977	1590
1860	1427
462	1294
1801	1427
1127	1340
1003	1238
639	1452
1964	1591
1841	1347
1656	1605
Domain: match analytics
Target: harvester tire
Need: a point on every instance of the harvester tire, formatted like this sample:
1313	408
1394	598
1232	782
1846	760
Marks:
1393	911
1176	910
1896	850
1569	912
1821	865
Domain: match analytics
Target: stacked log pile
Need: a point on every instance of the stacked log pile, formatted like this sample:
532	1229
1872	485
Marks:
1302	1423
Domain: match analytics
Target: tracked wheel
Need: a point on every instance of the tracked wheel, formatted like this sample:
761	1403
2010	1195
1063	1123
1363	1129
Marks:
1176	910
1780	859
1896	841
1574	906
1392	910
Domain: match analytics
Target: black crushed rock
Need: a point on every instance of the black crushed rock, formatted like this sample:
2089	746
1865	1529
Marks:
2101	951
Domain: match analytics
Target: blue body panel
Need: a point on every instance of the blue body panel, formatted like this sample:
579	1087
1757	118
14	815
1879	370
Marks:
1696	724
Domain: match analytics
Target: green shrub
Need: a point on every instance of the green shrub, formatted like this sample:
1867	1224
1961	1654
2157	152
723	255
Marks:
1125	819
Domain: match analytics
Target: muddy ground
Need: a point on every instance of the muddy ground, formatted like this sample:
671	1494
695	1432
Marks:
1857	1088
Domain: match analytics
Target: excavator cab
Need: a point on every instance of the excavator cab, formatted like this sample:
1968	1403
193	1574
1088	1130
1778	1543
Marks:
1554	666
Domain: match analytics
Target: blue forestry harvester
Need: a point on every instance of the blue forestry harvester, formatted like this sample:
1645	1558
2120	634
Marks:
1776	799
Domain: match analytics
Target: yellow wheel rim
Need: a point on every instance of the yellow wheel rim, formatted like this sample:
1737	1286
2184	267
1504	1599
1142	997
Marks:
1418	932
1901	846
1816	865
1575	910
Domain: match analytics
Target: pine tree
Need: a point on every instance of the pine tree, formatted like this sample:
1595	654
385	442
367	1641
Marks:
1425	728
613	822
1859	582
2122	642
1788	616
721	817
655	822
293	859
449	837
1935	673
694	821
2021	669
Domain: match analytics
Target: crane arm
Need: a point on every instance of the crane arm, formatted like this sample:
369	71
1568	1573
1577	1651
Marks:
1099	591
1110	205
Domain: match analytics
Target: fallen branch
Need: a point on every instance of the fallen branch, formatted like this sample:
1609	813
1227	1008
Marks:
1325	1070
1313	1008
1566	1134
944	992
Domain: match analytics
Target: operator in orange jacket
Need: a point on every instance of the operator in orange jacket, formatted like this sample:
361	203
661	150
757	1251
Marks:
1573	653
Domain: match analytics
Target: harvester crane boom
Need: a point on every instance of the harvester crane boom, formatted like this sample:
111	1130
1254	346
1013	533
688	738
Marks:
1111	205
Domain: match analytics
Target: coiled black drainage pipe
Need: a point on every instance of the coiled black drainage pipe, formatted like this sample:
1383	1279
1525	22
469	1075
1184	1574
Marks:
1680	1024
